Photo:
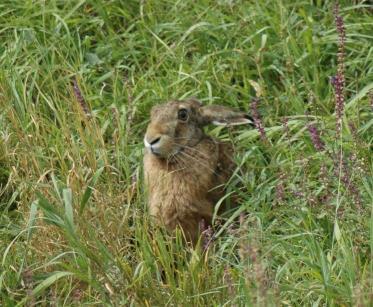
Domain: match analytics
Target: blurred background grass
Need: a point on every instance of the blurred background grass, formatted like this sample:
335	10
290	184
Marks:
73	221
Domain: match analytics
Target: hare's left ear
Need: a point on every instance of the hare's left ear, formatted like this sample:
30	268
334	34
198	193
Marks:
223	116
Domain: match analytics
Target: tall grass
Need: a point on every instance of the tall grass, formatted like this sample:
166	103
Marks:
77	81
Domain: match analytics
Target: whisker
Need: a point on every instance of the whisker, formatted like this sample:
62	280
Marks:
189	147
198	161
194	157
187	138
178	161
181	162
182	156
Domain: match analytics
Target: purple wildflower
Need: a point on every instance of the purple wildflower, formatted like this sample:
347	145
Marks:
333	80
80	98
314	133
315	137
339	80
257	120
280	188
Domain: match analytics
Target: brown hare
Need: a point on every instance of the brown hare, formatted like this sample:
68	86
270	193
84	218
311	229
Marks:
185	170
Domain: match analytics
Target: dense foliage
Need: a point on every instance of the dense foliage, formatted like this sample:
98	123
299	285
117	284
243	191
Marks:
77	81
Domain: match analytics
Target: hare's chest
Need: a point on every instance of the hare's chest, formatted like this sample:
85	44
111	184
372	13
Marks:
179	196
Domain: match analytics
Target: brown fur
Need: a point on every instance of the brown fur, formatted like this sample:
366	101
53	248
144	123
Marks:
187	170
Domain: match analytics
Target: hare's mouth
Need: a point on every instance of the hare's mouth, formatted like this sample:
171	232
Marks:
164	153
155	152
161	146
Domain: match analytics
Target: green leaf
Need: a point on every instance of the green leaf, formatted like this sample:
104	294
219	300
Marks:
363	92
88	192
337	232
31	222
50	281
68	202
51	212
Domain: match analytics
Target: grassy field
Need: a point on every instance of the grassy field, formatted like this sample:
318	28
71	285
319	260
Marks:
77	81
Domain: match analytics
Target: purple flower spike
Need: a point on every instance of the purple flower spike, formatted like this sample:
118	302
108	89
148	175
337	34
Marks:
257	120
339	80
80	98
315	137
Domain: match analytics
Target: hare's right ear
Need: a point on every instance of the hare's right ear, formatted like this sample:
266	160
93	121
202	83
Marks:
223	116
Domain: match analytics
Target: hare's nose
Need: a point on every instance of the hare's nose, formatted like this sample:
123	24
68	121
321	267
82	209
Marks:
152	142
155	140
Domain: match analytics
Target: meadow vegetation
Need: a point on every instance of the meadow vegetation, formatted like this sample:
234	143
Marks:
77	81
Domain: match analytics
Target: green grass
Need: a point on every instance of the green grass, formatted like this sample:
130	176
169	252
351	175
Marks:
74	227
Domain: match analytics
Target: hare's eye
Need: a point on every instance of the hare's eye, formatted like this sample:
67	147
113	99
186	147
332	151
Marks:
182	114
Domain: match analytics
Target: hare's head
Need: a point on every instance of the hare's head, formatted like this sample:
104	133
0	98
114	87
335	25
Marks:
178	124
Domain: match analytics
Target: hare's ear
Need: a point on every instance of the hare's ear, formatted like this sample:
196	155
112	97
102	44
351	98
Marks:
223	116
